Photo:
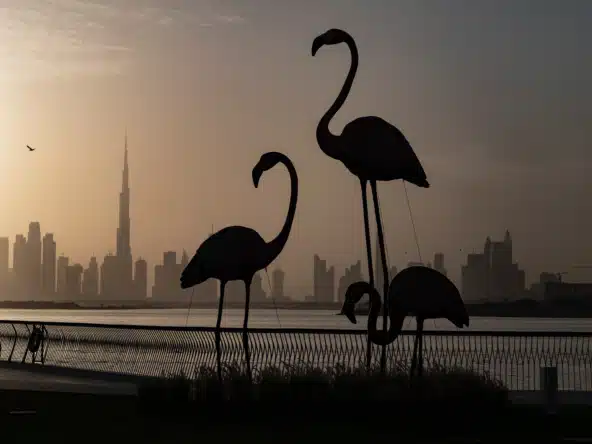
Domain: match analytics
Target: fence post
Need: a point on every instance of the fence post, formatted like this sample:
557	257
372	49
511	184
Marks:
549	388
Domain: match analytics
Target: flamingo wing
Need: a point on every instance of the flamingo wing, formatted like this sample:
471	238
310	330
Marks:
231	252
381	151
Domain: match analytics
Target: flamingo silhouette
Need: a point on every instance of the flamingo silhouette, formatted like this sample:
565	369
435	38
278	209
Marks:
238	253
370	148
415	291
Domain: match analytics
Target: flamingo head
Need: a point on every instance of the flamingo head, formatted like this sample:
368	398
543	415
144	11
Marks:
349	310
331	37
353	294
267	162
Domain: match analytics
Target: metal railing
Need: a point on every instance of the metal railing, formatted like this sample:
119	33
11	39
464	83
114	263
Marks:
512	357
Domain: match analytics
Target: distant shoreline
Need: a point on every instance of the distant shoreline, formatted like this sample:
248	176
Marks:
520	309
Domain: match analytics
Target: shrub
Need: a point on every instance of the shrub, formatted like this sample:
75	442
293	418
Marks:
308	393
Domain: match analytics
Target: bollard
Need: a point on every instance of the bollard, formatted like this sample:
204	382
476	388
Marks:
549	388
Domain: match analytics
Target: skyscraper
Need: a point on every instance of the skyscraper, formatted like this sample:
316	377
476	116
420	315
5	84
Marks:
19	261
277	279
48	267
34	260
124	249
4	255
141	279
62	270
90	280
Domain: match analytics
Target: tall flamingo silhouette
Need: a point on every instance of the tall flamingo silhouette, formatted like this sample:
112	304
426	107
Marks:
238	253
415	291
370	148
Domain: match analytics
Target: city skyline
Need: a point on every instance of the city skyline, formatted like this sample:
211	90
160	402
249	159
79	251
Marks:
501	131
116	275
501	279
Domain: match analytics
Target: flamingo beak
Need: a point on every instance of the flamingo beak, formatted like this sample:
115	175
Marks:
316	45
256	176
349	311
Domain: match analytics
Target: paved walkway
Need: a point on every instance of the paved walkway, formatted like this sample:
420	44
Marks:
563	397
16	379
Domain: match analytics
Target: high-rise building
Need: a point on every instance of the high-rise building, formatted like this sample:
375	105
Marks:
34	260
352	274
62	276
166	280
492	275
48	266
257	292
73	282
4	256
110	272
141	279
124	249
19	261
439	263
277	284
90	279
324	280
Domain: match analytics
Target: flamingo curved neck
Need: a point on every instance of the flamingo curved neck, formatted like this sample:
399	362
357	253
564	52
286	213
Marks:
276	245
328	142
396	322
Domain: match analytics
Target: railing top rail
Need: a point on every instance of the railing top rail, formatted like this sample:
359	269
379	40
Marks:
320	331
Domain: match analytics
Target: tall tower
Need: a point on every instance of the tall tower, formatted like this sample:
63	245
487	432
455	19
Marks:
33	258
48	266
124	250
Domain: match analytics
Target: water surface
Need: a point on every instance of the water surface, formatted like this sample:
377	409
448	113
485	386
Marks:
278	319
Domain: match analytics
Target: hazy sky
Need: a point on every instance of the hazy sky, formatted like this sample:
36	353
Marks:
494	96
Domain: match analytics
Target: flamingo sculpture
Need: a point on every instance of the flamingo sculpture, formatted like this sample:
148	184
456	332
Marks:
370	148
238	253
415	291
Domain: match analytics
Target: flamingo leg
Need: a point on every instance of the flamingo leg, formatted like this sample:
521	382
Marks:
369	253
414	358
420	333
245	328
384	271
217	332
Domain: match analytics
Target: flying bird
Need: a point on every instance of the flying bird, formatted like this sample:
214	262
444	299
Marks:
31	149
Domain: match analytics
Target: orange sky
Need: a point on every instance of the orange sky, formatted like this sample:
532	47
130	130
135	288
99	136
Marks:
204	89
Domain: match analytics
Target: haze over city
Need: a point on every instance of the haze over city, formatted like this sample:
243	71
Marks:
494	97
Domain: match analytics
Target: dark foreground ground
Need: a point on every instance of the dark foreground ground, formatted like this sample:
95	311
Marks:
95	418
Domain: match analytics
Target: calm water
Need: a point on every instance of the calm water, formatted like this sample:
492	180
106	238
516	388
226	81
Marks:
514	360
273	319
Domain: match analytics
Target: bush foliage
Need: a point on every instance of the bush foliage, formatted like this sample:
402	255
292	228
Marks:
314	392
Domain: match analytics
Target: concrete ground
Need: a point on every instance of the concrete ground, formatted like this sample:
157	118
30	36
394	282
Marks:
12	378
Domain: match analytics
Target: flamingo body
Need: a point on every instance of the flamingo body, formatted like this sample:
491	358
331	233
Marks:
415	291
370	148
238	253
376	150
427	294
233	253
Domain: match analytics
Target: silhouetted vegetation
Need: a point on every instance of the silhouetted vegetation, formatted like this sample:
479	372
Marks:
293	404
311	393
